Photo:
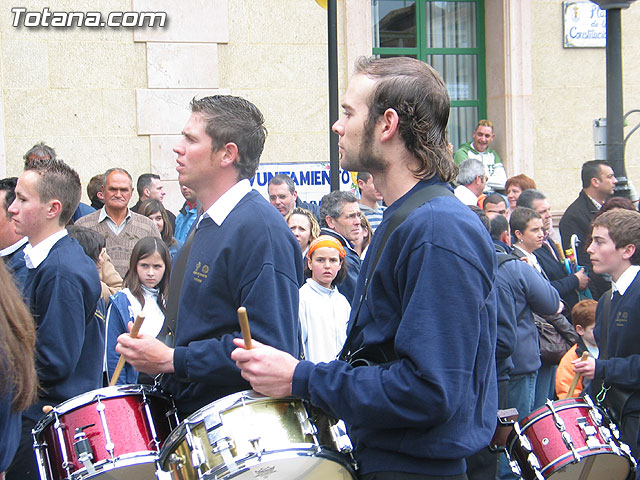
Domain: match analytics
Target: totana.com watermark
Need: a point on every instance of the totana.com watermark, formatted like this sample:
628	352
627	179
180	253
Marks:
47	18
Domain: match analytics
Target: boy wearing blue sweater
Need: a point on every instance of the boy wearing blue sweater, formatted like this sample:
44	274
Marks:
62	289
615	249
430	305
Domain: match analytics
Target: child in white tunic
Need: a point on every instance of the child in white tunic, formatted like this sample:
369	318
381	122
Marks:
324	311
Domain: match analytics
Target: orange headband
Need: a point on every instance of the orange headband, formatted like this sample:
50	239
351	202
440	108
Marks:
326	241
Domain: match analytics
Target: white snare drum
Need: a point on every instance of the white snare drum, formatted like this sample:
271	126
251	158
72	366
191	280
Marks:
114	432
245	436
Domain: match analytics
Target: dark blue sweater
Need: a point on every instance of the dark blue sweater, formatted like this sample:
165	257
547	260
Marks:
9	432
622	368
62	293
251	260
432	296
527	290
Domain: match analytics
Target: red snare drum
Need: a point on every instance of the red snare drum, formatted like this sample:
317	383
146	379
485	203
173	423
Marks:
117	430
569	439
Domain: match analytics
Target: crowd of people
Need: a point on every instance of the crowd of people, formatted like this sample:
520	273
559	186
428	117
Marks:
411	310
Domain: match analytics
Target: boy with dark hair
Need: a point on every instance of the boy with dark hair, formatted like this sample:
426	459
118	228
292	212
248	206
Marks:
615	250
62	289
583	318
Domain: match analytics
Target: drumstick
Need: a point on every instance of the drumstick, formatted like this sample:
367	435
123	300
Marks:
244	327
121	361
576	376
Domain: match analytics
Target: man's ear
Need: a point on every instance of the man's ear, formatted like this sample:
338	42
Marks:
628	251
55	208
390	122
146	192
230	154
330	222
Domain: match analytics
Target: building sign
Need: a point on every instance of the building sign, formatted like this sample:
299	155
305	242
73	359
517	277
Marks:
312	179
585	25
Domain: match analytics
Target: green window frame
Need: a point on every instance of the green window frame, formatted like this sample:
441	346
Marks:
465	112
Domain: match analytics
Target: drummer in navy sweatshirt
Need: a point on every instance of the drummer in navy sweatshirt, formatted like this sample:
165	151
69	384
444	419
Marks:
615	250
62	288
243	254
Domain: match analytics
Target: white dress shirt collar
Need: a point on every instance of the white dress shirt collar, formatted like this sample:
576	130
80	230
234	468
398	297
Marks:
34	256
222	207
627	277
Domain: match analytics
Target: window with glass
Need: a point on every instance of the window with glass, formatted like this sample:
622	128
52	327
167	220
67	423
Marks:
448	35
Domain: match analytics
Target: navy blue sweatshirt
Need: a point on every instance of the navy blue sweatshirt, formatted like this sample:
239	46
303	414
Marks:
62	293
432	296
251	260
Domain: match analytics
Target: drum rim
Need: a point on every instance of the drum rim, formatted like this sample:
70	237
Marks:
104	393
248	461
584	452
544	411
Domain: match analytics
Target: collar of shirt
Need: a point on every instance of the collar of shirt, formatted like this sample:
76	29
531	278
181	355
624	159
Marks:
34	256
625	280
597	204
114	226
219	211
531	257
12	248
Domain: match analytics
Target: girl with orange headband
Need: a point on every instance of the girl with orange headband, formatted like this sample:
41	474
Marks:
324	311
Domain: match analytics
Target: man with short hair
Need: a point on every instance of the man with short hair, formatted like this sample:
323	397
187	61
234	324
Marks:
479	149
549	256
494	205
598	183
42	151
62	289
472	178
431	374
242	254
149	187
615	250
94	191
11	243
341	219
370	199
284	196
187	215
121	227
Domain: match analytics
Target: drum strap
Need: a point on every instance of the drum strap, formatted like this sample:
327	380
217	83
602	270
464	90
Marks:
167	334
416	200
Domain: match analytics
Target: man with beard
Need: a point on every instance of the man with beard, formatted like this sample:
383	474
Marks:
427	396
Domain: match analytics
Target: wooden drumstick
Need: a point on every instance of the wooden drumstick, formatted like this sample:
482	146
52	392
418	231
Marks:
244	327
121	361
576	376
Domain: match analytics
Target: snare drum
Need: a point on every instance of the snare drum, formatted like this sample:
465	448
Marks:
569	439
114	431
247	436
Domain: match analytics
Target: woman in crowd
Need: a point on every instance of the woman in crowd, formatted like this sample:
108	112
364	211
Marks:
362	244
304	226
156	212
324	311
146	290
19	382
515	186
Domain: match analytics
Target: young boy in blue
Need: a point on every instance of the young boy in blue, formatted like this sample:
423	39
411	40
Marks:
62	289
615	250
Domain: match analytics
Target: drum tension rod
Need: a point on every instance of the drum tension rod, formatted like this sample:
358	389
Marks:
83	450
566	437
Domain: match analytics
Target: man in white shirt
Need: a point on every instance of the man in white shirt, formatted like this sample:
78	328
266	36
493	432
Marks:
472	178
62	289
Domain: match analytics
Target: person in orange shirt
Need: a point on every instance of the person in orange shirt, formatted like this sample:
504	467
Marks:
583	317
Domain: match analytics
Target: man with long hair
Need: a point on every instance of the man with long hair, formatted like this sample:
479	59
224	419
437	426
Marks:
428	397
